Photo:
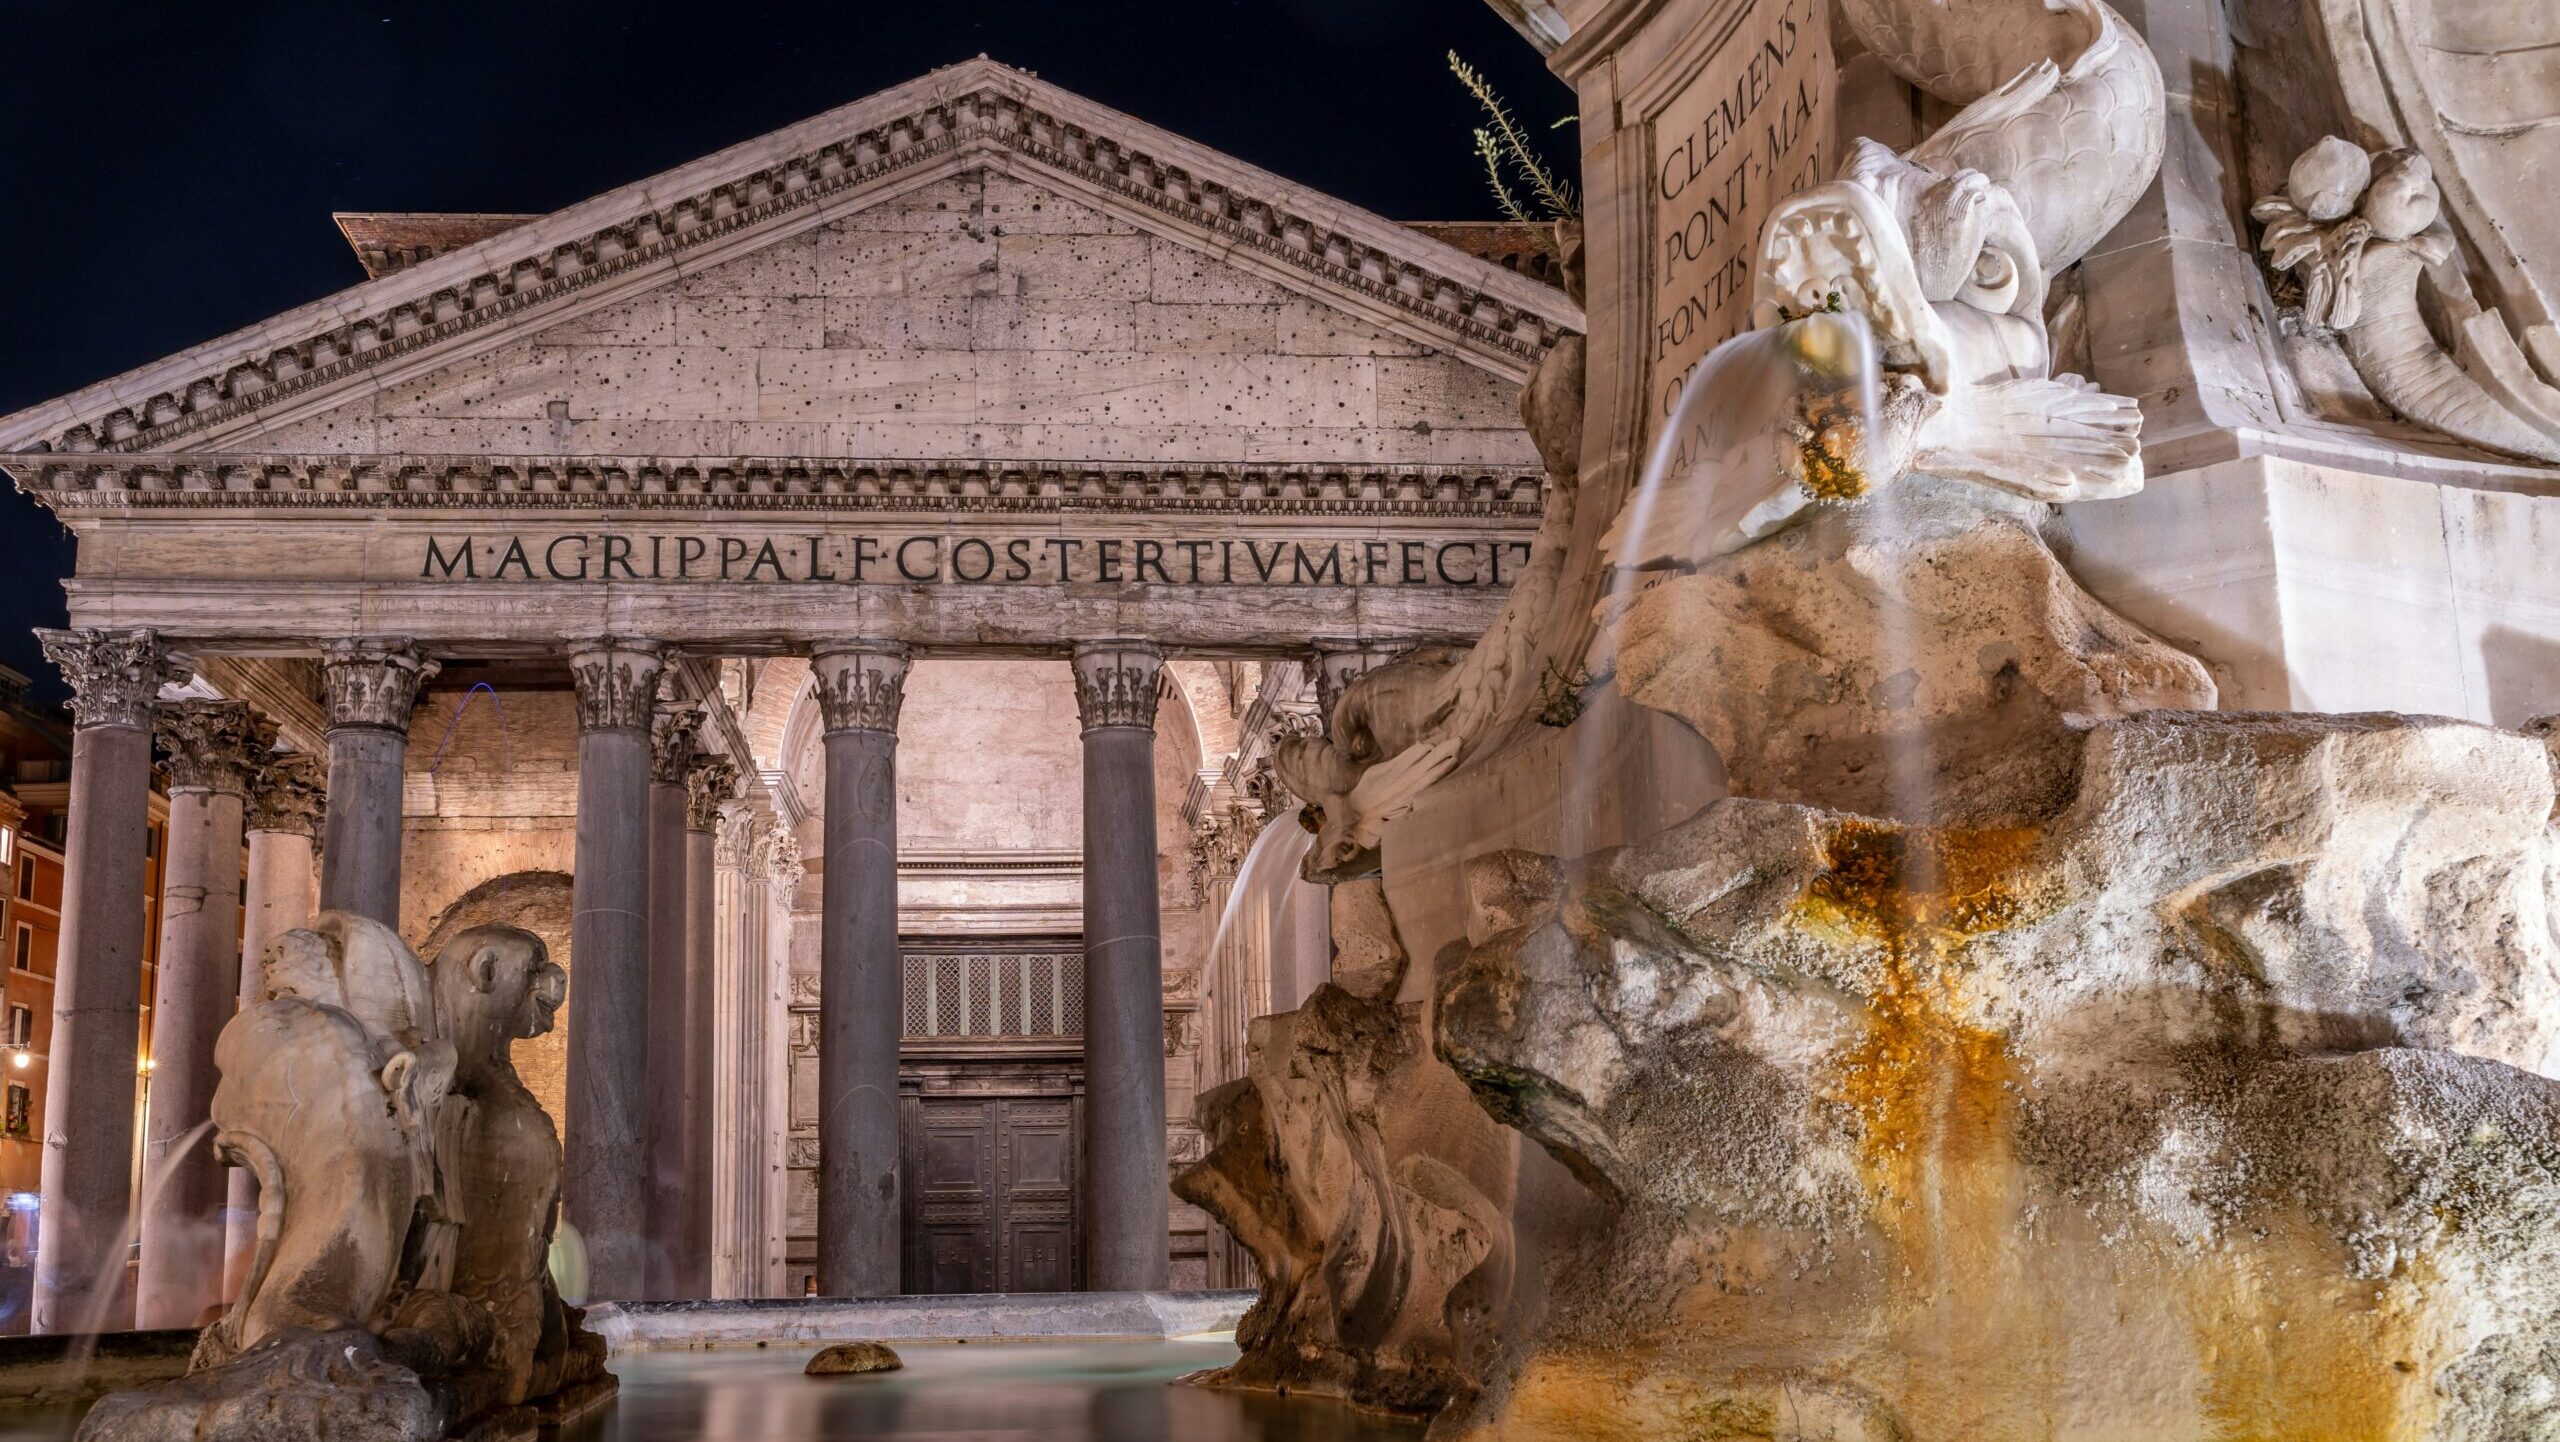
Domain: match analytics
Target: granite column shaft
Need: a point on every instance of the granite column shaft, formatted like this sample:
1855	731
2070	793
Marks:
859	688
369	688
605	1172
674	728
86	1171
1126	1193
214	747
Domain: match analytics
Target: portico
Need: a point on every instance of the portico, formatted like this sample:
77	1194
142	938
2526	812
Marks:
571	554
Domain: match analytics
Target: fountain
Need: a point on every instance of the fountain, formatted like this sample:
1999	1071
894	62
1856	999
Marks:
1989	1039
408	1185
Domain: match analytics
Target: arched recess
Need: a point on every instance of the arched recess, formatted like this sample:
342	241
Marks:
539	902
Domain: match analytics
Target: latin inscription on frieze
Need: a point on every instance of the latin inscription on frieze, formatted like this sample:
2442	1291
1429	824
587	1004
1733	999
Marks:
1752	128
830	558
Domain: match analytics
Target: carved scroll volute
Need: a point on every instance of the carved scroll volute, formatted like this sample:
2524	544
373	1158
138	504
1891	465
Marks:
115	675
860	685
1117	683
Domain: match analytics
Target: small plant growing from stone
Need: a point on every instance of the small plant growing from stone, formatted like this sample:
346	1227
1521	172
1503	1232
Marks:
1560	696
1501	147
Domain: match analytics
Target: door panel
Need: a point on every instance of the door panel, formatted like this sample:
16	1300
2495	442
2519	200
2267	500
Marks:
991	1194
951	1202
1039	1195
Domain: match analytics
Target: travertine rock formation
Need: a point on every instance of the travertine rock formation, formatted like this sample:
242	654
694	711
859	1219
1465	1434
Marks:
1382	1264
2202	1104
1874	656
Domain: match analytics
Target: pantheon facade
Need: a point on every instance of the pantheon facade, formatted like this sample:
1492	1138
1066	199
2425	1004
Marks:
840	593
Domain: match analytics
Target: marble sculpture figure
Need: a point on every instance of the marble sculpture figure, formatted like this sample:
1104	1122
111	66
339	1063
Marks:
409	1187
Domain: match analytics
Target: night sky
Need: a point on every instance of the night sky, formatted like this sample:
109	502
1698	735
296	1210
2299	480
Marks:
175	165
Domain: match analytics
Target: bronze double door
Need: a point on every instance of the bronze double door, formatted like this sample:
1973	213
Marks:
991	1199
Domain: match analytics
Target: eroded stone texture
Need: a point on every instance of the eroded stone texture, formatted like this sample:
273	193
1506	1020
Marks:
1379	1262
1870	655
2058	1128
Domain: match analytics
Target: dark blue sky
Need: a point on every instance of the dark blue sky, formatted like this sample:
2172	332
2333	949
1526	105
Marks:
175	164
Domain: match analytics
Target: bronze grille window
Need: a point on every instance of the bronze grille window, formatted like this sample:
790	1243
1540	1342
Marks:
995	994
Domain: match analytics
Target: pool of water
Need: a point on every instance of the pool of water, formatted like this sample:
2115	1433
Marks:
947	1392
965	1392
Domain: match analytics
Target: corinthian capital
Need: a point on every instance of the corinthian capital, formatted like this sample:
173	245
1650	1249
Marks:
617	681
675	730
290	793
1116	683
212	745
373	682
709	783
860	684
114	675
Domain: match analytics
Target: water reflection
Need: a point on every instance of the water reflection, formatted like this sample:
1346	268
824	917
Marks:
1053	1392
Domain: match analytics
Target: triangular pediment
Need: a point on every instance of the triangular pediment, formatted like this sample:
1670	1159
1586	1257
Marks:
718	213
988	313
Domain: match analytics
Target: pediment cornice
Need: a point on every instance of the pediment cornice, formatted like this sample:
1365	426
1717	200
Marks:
645	234
278	483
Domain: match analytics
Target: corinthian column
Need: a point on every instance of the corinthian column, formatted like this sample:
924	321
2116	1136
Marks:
859	688
87	1169
285	804
1126	1196
737	1100
214	747
604	1181
369	687
674	728
709	783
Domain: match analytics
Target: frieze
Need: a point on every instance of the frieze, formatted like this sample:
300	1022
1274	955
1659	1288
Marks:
1117	683
860	687
114	675
373	682
1492	313
212	746
933	559
290	793
617	682
710	782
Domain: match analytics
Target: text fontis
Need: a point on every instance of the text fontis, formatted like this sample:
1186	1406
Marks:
851	560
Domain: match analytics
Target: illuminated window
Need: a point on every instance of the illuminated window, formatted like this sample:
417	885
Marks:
8	844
